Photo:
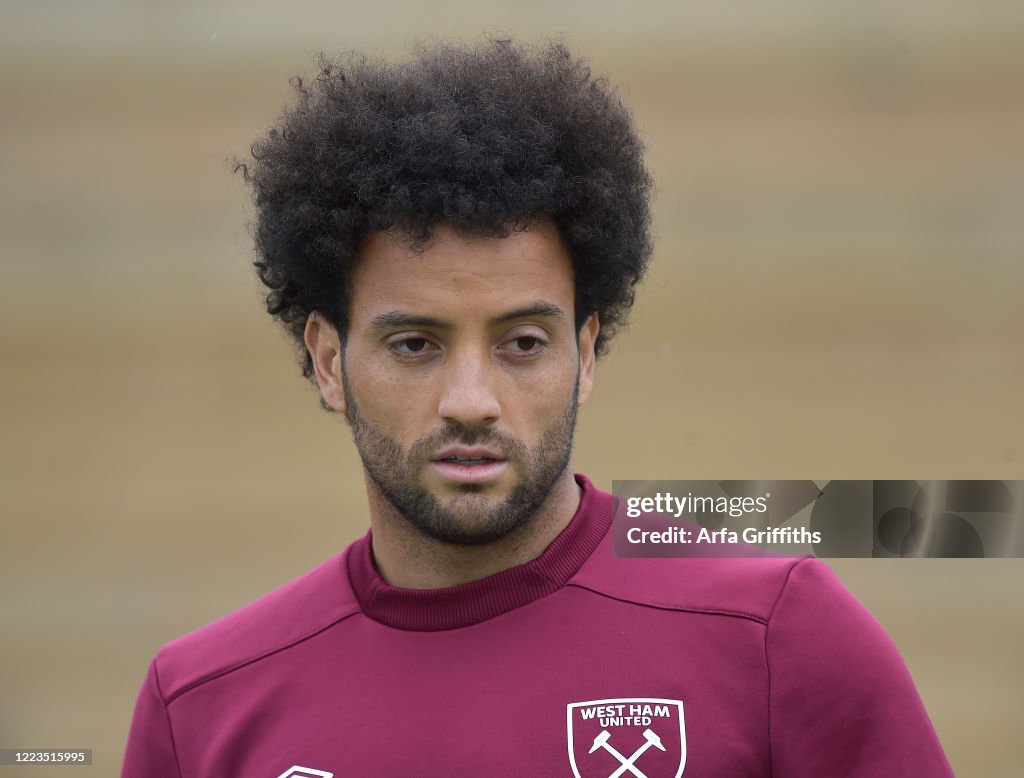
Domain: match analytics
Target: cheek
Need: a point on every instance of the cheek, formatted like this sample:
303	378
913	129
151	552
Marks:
538	402
391	403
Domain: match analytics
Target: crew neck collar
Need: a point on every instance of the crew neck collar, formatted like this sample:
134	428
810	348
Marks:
470	603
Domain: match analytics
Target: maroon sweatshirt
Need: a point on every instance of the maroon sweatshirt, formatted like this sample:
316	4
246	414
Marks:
574	664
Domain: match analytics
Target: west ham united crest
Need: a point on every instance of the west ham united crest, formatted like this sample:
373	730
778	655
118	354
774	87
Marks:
636	737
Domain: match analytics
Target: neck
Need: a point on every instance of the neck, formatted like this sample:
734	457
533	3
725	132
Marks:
408	558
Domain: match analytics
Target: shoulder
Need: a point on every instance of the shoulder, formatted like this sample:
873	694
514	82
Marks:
741	587
285	617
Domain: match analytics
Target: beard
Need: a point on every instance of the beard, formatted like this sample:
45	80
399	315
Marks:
471	518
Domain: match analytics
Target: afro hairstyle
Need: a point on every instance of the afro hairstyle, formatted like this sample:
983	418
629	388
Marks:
487	138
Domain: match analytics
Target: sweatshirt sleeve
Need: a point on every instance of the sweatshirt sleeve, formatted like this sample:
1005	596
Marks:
150	750
841	700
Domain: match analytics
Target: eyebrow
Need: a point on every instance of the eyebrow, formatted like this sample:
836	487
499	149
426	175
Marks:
392	319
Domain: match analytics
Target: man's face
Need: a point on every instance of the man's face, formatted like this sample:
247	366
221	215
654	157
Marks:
461	376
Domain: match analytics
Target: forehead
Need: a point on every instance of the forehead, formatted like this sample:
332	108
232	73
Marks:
459	274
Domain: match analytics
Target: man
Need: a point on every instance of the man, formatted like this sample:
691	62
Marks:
452	243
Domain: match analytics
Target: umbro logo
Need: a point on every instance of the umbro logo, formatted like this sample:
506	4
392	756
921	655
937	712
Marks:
297	771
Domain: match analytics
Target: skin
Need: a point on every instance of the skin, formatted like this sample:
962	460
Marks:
471	340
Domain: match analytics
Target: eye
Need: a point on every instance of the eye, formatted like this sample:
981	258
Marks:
411	347
415	345
527	343
524	346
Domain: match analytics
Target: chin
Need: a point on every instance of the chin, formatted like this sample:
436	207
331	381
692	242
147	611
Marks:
474	536
492	493
473	521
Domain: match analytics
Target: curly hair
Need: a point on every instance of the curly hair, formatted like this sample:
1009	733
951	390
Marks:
487	138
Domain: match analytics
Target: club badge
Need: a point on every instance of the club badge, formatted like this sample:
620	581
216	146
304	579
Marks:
637	737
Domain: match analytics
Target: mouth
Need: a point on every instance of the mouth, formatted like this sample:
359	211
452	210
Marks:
469	464
470	460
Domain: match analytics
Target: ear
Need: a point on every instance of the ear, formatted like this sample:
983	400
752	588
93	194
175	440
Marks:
588	357
324	347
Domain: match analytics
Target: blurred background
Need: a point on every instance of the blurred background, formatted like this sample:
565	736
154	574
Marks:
836	293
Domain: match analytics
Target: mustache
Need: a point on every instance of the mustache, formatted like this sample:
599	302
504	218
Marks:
454	433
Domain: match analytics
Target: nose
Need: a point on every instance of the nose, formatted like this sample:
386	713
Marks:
469	397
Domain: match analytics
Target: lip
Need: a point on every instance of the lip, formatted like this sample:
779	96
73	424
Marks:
468	451
470	474
466	473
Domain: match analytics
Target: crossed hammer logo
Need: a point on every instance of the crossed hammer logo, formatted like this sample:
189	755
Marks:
627	764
